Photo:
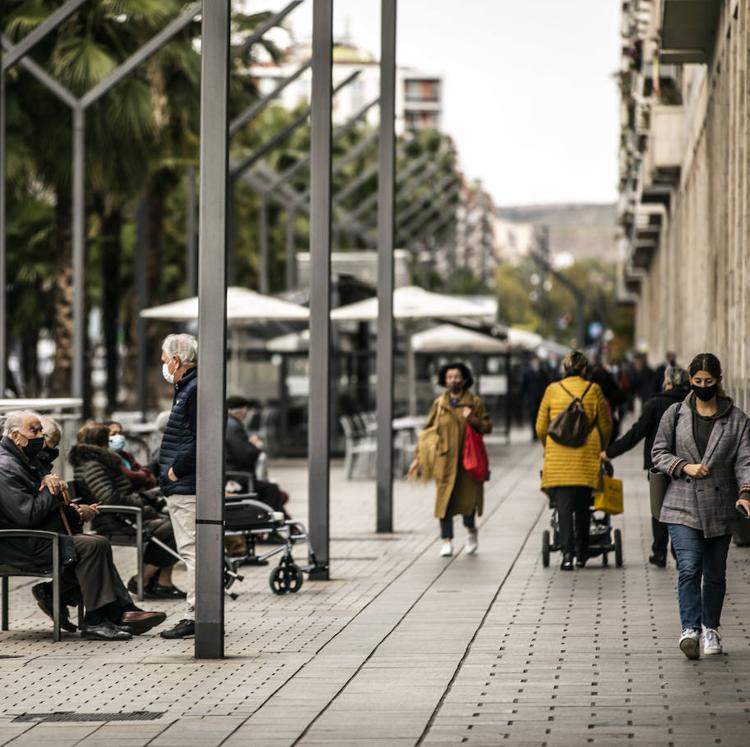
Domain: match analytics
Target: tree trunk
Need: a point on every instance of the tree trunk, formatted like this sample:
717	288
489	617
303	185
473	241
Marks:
111	252
61	378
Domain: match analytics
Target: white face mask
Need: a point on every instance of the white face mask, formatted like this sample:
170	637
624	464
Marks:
168	377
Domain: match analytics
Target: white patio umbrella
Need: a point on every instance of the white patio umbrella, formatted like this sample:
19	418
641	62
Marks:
410	303
449	339
243	307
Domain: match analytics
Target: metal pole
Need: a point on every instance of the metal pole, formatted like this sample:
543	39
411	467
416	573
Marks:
3	261
320	288
141	293
386	240
291	256
212	330
263	268
191	234
79	251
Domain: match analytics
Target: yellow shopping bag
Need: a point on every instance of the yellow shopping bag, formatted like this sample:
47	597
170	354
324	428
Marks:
609	499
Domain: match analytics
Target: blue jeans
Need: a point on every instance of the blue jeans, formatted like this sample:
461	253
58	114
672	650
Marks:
699	558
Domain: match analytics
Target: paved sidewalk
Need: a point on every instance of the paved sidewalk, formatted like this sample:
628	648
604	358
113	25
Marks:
406	648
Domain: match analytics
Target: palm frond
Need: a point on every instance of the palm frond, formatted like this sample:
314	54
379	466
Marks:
81	63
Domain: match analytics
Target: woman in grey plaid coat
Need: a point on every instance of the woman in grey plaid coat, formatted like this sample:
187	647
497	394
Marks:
703	443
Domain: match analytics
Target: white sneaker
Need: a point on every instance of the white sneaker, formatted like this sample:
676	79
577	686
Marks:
711	642
690	643
472	543
446	551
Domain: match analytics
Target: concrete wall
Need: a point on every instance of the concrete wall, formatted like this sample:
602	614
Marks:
694	297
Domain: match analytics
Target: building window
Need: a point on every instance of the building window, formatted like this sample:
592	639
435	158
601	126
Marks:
422	90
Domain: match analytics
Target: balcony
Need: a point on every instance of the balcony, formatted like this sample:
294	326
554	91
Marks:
646	234
688	30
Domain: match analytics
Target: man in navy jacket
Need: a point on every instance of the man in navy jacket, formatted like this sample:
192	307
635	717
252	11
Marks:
177	461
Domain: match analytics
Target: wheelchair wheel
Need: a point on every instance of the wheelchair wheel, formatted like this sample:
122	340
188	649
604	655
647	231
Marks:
545	548
618	548
286	578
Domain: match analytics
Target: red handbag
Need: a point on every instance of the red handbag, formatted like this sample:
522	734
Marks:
476	462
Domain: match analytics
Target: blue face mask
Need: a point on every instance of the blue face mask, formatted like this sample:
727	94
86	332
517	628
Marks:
117	443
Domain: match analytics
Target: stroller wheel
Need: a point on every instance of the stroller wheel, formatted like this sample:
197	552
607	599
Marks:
285	578
545	548
618	548
605	560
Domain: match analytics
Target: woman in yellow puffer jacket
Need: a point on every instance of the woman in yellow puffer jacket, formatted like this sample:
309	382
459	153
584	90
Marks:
571	473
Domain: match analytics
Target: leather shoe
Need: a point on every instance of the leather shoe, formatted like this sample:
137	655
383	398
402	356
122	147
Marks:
157	591
105	631
139	622
567	563
659	560
183	629
43	595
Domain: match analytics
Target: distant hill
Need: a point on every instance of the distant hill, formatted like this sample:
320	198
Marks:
583	230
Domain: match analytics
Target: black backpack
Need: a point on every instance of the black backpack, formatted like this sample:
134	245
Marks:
571	427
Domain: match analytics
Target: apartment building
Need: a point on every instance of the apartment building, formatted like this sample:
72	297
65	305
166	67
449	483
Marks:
419	94
684	209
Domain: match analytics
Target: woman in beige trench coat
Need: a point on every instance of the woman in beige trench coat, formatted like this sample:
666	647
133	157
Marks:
457	491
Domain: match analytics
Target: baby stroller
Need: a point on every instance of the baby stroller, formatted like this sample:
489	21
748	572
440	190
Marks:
247	517
602	540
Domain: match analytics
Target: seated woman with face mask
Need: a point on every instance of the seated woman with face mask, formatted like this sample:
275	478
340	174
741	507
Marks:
99	478
139	477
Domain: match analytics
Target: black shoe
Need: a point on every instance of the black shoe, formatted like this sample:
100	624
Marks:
567	563
183	629
658	559
105	631
141	621
43	595
157	591
581	561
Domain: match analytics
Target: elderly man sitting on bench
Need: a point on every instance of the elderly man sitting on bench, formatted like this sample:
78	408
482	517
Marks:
32	499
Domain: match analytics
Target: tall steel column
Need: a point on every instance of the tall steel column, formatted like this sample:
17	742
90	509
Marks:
291	256
141	302
212	330
320	287
3	315
386	238
79	251
191	235
264	285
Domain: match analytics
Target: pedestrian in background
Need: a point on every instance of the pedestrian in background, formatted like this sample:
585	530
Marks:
670	362
457	491
570	474
703	443
676	388
533	385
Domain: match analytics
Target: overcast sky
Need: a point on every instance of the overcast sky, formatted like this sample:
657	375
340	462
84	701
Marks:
529	94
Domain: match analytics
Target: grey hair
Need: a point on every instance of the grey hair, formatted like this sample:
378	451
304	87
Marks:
14	420
50	426
185	347
677	377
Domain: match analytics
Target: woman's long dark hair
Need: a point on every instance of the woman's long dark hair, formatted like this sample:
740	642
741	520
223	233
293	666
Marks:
710	363
466	374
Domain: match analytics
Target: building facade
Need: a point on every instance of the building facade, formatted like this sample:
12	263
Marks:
419	94
685	200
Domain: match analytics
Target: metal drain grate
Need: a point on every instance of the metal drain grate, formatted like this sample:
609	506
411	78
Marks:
70	716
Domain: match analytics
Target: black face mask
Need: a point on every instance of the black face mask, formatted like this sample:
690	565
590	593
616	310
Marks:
705	393
33	447
47	455
456	388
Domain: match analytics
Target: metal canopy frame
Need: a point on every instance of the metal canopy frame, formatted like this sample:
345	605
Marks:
12	54
79	106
